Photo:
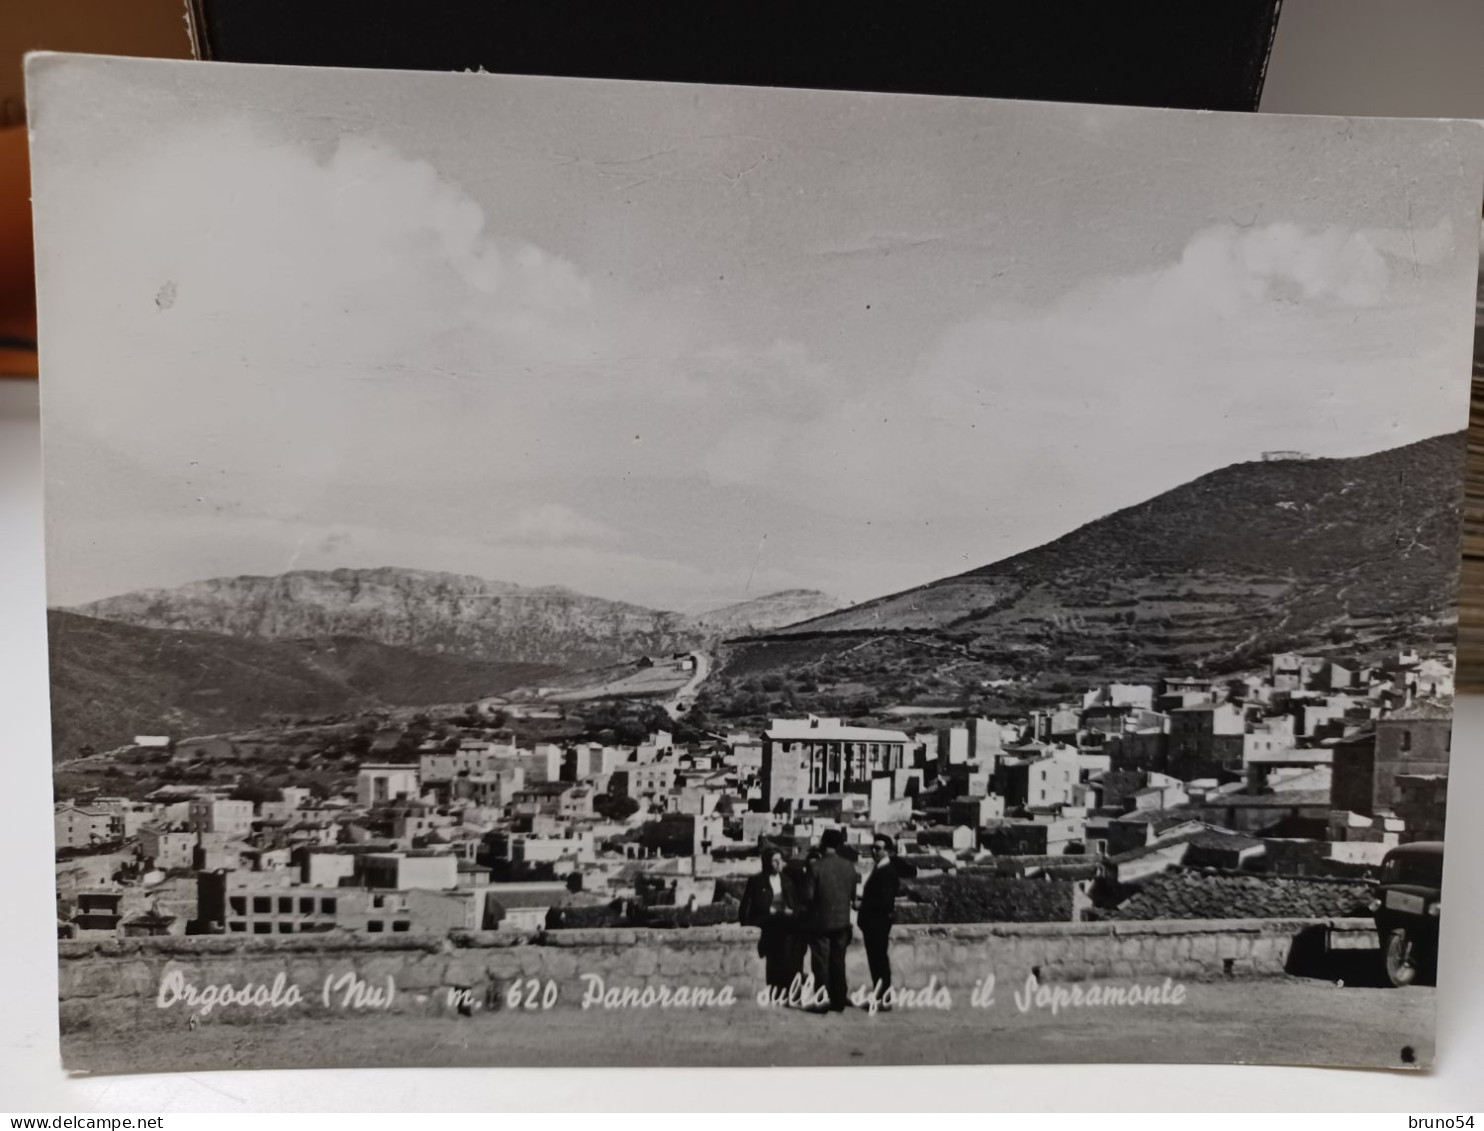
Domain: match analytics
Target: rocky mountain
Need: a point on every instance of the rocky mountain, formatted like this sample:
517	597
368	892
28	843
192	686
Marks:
763	614
111	681
439	613
1350	555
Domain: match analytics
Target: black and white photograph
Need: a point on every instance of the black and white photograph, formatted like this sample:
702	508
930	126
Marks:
562	572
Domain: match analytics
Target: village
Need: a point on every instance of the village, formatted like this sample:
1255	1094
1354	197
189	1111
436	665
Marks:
1275	794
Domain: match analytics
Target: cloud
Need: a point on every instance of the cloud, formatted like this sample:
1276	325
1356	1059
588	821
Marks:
1232	269
359	353
1124	385
553	523
357	259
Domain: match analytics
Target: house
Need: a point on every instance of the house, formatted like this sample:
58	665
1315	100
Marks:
523	907
80	826
261	903
1320	715
1413	740
1048	780
951	838
1145	826
746	754
290	801
491	789
976	812
977	740
1163	793
1177	692
1206	739
220	815
1271	735
555	799
1119	695
1421	801
380	782
1353	772
1014	838
1281	813
166	848
473	756
434	870
1145	747
1431	679
1204	846
636	779
1065	827
1114	791
570	849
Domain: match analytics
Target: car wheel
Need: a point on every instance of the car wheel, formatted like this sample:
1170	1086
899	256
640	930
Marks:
1400	951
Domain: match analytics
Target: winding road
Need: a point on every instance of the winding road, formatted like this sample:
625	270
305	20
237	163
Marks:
680	702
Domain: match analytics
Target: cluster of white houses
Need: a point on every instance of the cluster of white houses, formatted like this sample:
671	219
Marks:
1309	763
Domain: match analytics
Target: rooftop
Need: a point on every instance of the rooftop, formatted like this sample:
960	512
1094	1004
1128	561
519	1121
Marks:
1282	799
1159	818
831	730
1207	836
1422	710
1182	893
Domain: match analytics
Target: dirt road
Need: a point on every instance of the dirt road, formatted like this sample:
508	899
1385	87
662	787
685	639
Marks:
682	699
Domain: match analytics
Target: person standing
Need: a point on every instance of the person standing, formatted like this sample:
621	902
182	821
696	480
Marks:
878	912
834	881
771	903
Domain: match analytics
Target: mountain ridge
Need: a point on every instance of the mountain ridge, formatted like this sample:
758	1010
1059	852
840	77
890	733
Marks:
444	613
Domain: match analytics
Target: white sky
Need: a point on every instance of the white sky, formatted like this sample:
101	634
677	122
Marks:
684	345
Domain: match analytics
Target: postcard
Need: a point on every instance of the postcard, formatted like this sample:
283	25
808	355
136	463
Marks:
562	572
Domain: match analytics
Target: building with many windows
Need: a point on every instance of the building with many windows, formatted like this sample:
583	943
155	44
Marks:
813	757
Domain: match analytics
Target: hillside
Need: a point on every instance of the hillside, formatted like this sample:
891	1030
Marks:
1353	555
440	613
112	681
763	614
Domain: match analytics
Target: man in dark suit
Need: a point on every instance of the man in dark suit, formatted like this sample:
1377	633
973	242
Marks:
878	912
833	889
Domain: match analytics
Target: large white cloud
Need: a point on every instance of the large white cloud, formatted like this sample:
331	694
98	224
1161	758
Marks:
1269	336
340	354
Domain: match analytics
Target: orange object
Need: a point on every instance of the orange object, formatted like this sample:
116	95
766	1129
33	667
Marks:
17	260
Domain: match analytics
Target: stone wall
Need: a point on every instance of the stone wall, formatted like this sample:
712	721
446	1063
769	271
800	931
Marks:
144	982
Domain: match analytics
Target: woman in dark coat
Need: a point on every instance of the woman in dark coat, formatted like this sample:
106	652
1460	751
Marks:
771	902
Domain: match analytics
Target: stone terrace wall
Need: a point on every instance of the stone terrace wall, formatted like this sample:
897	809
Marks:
117	982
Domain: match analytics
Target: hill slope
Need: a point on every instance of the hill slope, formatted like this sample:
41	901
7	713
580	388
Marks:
111	681
1352	554
762	614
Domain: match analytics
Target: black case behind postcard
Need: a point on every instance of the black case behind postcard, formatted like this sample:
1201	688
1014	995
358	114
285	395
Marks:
1151	53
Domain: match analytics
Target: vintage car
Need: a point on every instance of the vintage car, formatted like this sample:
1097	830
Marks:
1407	907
